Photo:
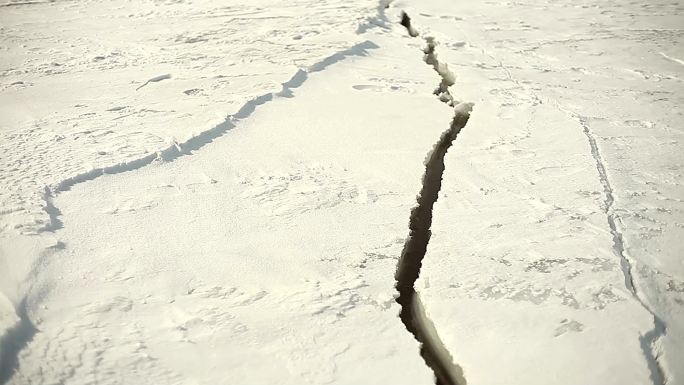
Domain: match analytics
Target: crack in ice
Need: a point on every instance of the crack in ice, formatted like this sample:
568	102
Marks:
175	149
413	313
14	342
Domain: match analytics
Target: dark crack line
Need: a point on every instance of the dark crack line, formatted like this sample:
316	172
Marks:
178	149
649	340
14	342
618	244
448	77
413	313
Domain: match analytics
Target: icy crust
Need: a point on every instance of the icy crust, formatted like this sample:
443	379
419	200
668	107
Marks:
266	257
89	85
524	264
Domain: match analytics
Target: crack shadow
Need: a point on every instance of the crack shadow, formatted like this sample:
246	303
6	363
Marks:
413	313
16	339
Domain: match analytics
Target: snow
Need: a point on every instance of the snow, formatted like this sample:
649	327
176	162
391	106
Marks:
194	192
563	191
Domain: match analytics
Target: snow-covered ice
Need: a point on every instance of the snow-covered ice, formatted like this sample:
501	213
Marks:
194	192
558	232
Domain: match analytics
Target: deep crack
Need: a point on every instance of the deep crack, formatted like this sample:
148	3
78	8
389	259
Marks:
413	313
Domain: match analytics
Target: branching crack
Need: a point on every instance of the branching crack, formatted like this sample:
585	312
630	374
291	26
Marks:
413	313
648	341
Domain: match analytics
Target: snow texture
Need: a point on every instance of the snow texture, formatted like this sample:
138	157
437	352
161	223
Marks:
198	192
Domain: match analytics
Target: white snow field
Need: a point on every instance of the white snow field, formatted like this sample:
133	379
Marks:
558	234
203	192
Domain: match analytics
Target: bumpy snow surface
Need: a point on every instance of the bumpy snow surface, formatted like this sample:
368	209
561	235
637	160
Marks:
348	192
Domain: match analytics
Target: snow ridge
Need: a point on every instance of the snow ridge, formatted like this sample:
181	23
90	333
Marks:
649	341
413	313
175	149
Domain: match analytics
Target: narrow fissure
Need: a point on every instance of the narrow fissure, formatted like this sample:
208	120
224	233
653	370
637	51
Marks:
413	313
649	340
14	341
